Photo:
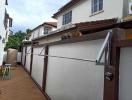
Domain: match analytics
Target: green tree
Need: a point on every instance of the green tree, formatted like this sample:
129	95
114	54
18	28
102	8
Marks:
15	41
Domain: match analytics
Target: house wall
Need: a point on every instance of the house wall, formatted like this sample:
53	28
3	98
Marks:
40	32
2	29
38	65
82	11
69	79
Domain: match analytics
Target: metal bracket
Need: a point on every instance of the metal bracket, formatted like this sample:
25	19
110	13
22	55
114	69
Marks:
105	49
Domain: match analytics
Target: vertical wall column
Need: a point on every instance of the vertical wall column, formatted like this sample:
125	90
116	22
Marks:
111	86
21	54
25	56
31	62
45	67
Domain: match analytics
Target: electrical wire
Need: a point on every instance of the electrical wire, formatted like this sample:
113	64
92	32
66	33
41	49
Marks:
79	59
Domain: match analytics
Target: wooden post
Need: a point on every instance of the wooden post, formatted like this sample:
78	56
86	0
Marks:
25	56
31	61
21	54
111	86
45	68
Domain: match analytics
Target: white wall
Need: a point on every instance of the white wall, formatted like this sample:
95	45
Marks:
2	29
38	65
82	11
28	58
72	79
125	79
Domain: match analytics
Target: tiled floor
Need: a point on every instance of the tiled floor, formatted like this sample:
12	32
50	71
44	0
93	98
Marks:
20	87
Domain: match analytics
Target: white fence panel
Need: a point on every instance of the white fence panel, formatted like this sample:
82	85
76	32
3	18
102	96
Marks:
125	76
38	65
28	58
69	79
23	56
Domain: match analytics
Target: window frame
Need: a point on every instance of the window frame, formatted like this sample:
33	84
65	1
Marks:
47	29
97	5
67	18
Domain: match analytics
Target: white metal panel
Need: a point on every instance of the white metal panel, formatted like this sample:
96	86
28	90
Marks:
125	79
38	65
28	58
23	55
82	50
69	79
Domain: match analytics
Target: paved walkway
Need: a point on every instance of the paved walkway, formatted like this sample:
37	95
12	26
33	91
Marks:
20	87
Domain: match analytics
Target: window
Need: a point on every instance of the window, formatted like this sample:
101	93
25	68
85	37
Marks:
46	30
67	18
97	5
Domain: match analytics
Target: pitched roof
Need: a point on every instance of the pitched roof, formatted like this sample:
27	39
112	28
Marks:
53	24
65	7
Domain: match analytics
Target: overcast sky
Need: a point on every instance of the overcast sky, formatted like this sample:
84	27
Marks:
30	13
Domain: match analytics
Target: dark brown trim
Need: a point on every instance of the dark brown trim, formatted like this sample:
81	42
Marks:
124	43
25	56
111	87
31	60
45	68
93	36
21	54
44	93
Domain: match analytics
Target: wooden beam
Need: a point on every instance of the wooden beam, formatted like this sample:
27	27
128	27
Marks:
45	68
21	54
111	86
25	56
124	43
31	59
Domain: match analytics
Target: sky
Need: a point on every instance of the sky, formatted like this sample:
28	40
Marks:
31	13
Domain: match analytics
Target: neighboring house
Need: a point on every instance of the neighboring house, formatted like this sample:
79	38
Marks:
42	30
5	24
77	11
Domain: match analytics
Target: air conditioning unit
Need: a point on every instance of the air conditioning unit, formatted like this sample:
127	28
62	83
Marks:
130	8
